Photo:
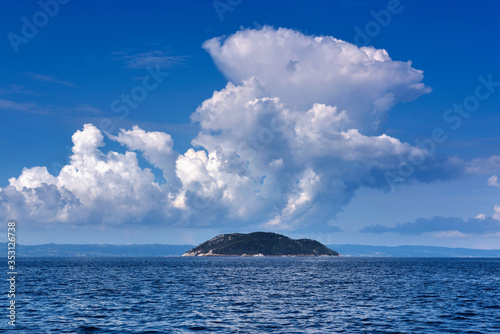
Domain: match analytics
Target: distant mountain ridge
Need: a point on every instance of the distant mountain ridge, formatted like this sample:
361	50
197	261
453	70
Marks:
97	250
413	251
260	244
158	250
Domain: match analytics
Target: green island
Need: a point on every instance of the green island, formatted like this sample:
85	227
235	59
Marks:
260	244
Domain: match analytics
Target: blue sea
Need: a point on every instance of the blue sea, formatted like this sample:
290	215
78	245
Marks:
256	295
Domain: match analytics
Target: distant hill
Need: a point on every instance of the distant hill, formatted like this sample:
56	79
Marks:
98	250
413	251
260	244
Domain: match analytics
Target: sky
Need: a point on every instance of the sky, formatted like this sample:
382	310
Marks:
349	122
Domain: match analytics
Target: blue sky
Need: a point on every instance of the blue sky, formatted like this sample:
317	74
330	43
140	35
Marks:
185	173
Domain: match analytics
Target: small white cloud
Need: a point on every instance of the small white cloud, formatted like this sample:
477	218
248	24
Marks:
302	70
277	163
481	216
496	215
493	181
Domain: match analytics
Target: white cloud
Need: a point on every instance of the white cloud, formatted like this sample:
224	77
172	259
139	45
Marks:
451	226
302	70
93	188
88	109
157	148
493	181
285	145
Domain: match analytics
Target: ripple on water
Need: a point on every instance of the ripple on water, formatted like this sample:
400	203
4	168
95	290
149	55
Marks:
278	295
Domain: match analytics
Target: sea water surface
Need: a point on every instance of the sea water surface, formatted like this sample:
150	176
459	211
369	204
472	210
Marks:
257	295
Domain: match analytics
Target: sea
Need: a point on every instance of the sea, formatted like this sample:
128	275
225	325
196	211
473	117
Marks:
256	295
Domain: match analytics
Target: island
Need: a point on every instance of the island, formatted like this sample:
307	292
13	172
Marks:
260	244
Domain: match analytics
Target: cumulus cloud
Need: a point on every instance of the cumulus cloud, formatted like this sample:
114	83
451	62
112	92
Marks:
94	187
157	148
450	226
268	150
285	144
302	70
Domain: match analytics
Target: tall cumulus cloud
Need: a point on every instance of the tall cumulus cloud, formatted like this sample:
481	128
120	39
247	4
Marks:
285	144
